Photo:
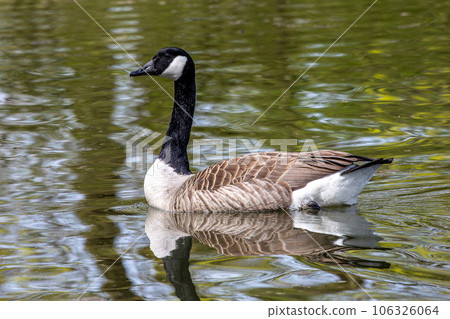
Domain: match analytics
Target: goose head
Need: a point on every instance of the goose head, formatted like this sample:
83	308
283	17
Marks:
172	63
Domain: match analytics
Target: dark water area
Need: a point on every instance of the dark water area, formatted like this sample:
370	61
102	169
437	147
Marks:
71	205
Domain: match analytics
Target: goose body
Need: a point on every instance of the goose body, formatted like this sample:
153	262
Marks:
252	182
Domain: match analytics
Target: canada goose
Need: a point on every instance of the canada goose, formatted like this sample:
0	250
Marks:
252	182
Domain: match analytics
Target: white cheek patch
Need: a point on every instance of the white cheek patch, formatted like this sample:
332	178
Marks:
175	69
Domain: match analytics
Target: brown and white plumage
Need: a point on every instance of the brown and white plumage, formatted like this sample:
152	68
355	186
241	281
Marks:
253	182
256	182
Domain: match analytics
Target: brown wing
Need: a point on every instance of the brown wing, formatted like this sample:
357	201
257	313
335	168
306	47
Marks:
259	181
309	166
294	169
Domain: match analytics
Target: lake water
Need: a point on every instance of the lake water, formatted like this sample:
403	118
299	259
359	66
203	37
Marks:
71	204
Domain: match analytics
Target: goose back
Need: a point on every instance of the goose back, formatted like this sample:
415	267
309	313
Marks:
257	181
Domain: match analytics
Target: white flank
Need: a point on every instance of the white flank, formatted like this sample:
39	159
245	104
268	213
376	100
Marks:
334	189
175	68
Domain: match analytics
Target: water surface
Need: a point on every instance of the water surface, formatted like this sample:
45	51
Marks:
70	205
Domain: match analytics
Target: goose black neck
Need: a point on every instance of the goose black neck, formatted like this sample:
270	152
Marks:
173	151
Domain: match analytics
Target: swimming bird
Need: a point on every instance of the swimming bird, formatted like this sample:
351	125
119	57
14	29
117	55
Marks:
251	182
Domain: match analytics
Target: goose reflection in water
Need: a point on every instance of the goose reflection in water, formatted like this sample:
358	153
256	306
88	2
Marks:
320	237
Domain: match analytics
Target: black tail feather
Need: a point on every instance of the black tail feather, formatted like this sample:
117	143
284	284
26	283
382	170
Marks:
371	163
